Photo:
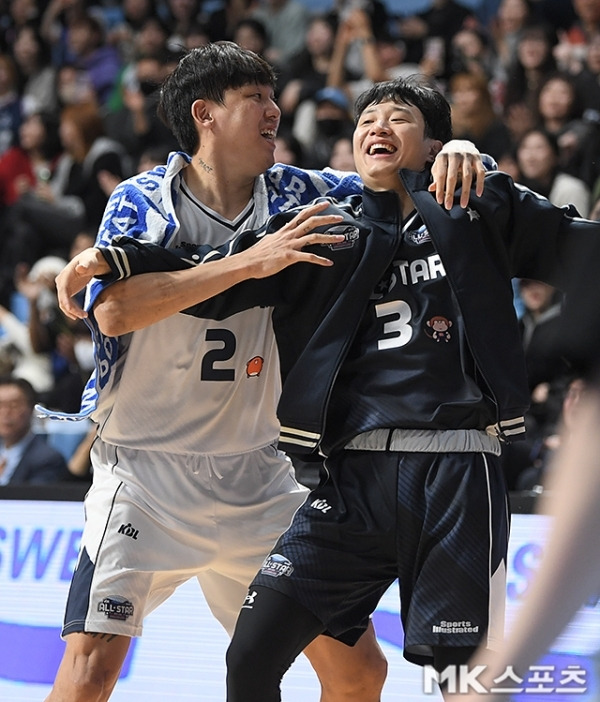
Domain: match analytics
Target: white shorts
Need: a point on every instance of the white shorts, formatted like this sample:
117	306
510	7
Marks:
154	520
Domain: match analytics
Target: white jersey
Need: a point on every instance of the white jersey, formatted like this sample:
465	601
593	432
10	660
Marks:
190	385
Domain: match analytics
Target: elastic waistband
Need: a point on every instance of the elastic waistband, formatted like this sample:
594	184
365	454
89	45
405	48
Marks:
426	441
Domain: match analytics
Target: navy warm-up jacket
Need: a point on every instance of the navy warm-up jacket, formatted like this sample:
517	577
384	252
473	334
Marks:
508	232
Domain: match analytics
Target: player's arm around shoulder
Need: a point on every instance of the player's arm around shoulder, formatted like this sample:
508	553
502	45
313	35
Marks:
141	300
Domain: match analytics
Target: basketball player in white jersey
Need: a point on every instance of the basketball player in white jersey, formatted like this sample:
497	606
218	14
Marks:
187	479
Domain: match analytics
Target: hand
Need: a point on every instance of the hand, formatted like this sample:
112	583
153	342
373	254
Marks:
28	287
456	163
283	248
44	192
22	184
75	276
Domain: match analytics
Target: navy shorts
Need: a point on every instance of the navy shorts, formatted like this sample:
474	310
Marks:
438	522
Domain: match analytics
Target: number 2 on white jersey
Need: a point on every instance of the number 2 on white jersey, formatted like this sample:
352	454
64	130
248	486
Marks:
217	355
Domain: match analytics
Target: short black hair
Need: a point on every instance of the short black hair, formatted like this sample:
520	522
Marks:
412	91
24	386
206	73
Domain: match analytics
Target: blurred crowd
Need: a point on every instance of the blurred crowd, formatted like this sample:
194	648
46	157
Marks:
78	91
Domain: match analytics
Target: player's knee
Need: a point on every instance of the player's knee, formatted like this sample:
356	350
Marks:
373	671
350	673
363	680
251	676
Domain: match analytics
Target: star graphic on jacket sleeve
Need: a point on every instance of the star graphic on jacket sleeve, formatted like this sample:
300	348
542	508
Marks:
473	214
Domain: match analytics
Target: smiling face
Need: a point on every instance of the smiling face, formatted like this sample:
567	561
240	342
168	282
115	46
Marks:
556	99
390	136
248	119
536	157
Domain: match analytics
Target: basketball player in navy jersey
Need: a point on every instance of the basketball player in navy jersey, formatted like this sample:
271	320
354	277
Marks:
167	390
431	385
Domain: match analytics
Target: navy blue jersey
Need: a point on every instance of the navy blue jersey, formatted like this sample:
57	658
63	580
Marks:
410	365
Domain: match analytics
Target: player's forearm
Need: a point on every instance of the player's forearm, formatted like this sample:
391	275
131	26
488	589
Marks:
137	302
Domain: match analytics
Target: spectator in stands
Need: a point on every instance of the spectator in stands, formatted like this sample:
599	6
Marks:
473	115
197	34
332	120
382	55
33	160
25	457
10	104
23	169
440	21
286	22
288	149
47	219
17	14
545	368
26	363
36	74
55	19
89	52
250	33
151	39
378	20
543	453
538	161
587	81
586	25
136	125
342	155
561	114
471	52
36	290
155	155
548	375
122	35
87	151
179	15
307	71
512	16
51	332
223	20
73	87
533	63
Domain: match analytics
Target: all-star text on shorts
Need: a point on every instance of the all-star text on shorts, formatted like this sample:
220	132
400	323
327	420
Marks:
154	520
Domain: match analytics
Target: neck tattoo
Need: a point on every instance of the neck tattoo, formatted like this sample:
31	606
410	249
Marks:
205	166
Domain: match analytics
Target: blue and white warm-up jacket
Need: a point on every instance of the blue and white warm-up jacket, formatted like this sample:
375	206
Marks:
143	207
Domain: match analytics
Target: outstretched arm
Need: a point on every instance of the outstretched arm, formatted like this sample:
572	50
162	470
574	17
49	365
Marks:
142	300
456	164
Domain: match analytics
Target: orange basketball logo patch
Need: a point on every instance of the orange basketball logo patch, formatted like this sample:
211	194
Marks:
254	366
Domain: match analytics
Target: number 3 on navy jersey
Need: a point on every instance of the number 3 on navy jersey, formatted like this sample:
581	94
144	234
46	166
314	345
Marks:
396	316
224	352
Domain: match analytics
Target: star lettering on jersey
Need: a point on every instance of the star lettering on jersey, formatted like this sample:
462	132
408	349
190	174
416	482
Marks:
473	214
